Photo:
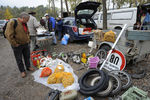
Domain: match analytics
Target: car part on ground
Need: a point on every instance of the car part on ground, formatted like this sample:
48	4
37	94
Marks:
89	90
101	53
53	95
124	77
116	84
107	91
135	93
141	74
76	58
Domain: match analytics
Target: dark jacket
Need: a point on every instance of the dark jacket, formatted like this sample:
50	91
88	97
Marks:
59	25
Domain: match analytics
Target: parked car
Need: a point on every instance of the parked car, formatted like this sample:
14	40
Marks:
117	18
80	26
2	23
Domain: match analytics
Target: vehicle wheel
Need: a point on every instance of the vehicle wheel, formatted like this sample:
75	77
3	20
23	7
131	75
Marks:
101	53
116	84
124	77
118	28
105	47
91	90
83	78
107	91
71	40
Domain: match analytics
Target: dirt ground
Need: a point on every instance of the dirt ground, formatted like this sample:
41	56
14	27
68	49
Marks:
13	87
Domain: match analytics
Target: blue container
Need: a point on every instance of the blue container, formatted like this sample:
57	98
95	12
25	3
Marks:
89	98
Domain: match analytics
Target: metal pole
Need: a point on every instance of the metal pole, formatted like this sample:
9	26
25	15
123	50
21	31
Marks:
113	46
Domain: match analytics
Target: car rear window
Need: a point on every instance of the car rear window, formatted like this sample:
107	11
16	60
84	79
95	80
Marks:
85	11
68	21
2	21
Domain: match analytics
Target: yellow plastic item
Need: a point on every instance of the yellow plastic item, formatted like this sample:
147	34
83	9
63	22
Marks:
109	36
38	64
84	60
83	55
59	68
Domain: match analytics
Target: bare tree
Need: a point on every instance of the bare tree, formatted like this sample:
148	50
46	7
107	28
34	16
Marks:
61	8
67	6
104	14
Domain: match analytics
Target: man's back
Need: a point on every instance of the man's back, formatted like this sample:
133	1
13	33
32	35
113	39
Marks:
32	25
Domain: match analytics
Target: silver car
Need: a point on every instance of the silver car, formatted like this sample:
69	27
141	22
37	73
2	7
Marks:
2	23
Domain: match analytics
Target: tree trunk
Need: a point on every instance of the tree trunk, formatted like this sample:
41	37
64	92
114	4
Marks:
61	8
104	15
67	7
54	15
49	3
113	4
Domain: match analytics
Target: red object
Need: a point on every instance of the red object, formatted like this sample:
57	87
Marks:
25	27
36	55
74	29
46	72
87	29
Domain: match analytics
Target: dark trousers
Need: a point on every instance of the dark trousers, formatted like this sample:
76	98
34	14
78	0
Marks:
22	51
59	35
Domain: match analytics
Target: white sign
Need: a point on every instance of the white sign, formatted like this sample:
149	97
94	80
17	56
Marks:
116	61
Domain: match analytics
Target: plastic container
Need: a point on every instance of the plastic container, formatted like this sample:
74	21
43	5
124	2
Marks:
89	98
68	95
65	39
93	62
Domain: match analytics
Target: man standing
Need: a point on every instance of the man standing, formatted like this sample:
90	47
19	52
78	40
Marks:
59	28
32	25
19	40
51	27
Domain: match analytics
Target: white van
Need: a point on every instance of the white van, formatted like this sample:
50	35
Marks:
117	18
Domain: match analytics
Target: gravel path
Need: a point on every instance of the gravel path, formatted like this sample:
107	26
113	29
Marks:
13	87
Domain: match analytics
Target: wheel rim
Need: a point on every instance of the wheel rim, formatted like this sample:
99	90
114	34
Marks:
102	55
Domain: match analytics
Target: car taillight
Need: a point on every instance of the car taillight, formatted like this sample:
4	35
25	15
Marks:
74	29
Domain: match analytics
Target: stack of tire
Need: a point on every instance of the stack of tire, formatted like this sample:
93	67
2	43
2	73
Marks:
104	83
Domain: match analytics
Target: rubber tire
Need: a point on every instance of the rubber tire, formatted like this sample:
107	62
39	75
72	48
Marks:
129	83
118	89
105	47
107	91
105	81
88	73
92	92
139	75
104	52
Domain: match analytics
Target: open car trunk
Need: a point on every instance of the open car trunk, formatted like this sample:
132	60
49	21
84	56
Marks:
83	17
143	17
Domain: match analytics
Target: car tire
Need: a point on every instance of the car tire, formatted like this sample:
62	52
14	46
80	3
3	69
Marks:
107	91
139	75
129	80
82	81
91	90
105	47
101	53
116	84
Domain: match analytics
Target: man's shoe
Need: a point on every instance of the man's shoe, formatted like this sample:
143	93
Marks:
30	69
23	74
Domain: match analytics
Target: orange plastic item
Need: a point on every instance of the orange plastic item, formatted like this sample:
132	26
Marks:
46	72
